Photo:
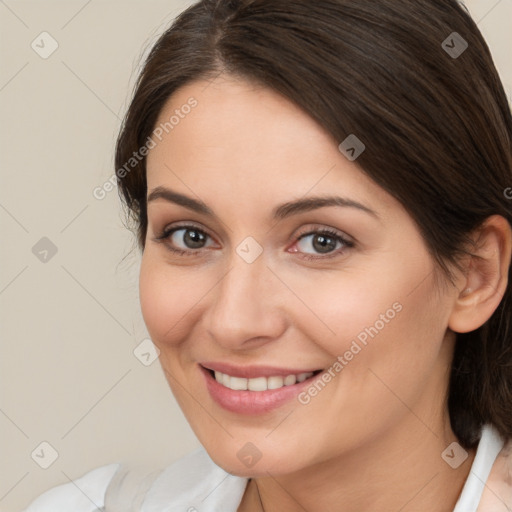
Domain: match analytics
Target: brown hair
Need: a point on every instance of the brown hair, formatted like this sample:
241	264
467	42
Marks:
437	129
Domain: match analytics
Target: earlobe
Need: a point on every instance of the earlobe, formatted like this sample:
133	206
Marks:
485	278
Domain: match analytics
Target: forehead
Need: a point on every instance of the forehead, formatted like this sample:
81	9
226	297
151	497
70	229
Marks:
240	118
247	140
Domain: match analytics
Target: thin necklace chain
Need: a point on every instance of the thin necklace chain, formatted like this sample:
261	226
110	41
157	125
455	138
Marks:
259	496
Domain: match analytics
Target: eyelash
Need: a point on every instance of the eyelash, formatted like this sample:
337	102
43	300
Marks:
166	233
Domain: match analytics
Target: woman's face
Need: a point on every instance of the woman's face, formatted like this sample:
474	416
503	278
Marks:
262	290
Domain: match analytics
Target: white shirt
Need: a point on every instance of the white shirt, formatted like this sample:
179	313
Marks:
195	483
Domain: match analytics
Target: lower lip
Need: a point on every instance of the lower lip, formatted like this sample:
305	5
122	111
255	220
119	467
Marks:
252	402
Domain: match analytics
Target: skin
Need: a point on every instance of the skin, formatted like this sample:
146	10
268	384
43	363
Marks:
372	438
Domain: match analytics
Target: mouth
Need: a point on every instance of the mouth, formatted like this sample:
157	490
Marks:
254	390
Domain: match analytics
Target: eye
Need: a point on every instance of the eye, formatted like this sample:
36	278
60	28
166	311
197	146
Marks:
189	237
326	242
188	240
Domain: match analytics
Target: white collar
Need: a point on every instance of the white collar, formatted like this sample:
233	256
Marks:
488	448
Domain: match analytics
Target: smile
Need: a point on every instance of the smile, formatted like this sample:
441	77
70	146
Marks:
254	390
260	383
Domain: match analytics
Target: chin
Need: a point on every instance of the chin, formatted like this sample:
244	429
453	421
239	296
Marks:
233	462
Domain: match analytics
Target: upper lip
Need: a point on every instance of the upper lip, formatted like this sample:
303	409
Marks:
251	372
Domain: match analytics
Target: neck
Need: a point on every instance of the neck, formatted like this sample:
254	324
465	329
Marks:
400	470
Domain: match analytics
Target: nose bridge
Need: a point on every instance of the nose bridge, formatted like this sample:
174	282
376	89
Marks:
245	302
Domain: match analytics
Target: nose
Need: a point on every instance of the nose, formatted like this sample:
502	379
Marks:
246	309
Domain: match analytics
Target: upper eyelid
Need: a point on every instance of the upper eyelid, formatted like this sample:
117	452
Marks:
176	227
319	229
316	227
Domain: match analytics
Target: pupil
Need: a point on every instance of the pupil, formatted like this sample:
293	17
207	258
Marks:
194	239
323	243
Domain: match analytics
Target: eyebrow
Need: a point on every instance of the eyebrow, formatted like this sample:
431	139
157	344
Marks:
278	213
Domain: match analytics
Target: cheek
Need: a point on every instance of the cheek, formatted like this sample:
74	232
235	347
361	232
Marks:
356	304
392	353
167	298
380	321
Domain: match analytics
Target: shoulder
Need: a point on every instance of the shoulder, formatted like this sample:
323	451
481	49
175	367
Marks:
192	482
497	495
195	482
85	494
488	485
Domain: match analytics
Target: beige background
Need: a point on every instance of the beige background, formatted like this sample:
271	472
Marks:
69	325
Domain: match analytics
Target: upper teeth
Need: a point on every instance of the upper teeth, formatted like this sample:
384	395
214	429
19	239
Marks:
259	383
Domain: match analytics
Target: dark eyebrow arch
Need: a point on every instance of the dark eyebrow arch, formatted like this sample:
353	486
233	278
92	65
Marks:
180	199
312	203
278	213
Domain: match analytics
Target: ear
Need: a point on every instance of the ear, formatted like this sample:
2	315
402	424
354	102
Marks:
481	288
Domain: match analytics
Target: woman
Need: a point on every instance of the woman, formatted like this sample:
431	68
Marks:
321	194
